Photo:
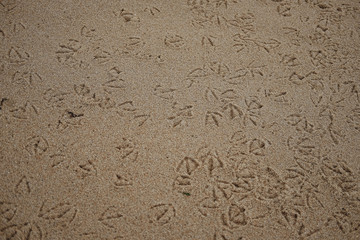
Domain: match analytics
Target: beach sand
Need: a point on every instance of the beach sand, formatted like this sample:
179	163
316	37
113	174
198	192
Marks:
179	119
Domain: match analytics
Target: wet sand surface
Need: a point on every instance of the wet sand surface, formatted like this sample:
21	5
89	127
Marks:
179	119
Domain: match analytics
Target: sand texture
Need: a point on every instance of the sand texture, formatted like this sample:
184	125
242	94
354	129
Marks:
179	119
